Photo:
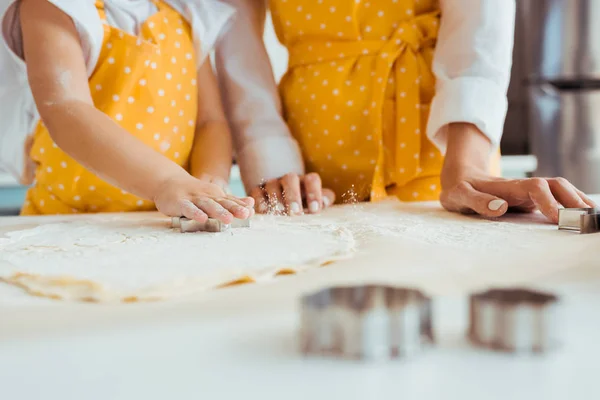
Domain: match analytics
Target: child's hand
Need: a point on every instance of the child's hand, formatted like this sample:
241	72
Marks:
199	200
222	183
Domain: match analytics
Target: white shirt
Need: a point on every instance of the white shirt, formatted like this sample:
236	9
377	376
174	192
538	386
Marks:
472	64
18	113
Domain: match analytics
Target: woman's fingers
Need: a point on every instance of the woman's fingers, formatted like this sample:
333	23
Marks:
541	195
292	194
464	198
274	197
214	209
566	194
546	195
590	203
260	201
189	210
328	197
313	190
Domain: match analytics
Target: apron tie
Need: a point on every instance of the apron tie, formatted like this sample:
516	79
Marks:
399	54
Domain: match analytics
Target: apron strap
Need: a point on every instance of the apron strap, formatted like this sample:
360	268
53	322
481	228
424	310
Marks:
101	10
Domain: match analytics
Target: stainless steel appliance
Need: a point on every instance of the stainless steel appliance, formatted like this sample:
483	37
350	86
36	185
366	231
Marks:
563	79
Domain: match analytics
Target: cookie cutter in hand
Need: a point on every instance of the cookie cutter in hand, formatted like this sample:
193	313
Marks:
365	322
187	225
514	320
582	220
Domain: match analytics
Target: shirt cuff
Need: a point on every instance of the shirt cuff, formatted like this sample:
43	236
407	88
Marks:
269	158
478	101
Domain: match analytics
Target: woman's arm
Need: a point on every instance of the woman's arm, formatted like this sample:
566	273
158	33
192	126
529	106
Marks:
59	82
472	65
212	152
264	146
266	151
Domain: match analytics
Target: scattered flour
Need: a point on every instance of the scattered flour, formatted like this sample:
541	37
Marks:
129	257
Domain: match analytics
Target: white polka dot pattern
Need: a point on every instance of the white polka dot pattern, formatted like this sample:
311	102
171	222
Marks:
135	84
357	98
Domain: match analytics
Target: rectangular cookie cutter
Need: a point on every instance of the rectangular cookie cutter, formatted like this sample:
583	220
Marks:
368	322
582	220
186	225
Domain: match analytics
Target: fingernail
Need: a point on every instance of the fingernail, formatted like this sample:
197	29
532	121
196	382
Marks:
495	205
279	207
262	207
326	201
313	207
295	208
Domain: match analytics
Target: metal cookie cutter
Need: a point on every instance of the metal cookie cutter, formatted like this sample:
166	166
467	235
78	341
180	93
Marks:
582	220
365	322
514	320
212	225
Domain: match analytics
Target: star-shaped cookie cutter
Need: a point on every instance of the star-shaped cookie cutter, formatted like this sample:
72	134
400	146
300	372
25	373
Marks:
211	225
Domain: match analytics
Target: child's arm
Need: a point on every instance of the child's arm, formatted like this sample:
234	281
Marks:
59	82
212	152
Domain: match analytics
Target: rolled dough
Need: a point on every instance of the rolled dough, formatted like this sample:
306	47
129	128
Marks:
116	259
137	257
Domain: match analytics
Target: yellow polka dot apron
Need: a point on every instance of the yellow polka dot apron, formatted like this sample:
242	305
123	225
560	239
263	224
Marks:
147	84
357	93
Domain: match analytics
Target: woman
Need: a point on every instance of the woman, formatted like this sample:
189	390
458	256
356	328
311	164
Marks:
386	97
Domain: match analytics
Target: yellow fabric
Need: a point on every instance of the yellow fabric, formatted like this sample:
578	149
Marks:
358	91
147	84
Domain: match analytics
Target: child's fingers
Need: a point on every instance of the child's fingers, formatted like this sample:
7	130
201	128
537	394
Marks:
191	211
238	211
292	193
222	183
249	204
313	188
214	209
246	202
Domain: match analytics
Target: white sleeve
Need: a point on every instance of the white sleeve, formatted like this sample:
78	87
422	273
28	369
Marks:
18	113
89	26
264	146
209	20
472	65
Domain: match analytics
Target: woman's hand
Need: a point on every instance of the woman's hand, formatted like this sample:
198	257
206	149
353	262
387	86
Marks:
199	200
475	191
467	186
291	194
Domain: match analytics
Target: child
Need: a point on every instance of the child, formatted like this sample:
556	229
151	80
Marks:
130	115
